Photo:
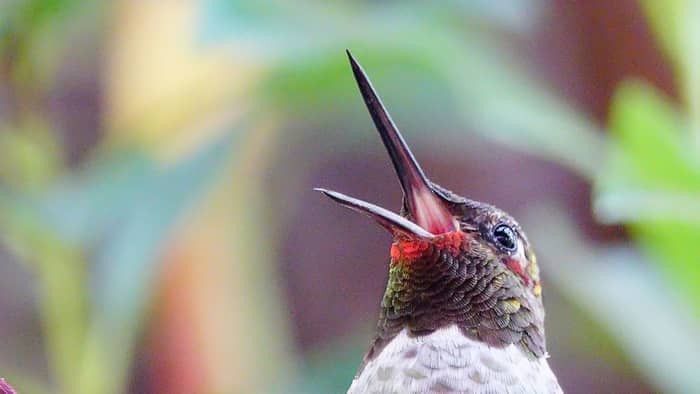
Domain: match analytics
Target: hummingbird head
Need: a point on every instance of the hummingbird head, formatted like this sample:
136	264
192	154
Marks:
453	260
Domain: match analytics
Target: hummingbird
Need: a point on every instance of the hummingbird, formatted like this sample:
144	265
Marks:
462	311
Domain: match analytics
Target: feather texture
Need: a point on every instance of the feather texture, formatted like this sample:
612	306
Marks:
447	361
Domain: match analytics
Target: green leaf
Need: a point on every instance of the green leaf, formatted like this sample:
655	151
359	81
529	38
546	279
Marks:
277	27
500	101
677	30
127	205
128	261
666	18
630	205
60	272
84	206
443	75
653	159
651	141
645	313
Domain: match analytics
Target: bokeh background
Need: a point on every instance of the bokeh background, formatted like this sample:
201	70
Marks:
158	228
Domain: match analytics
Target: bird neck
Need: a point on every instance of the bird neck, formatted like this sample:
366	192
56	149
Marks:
437	287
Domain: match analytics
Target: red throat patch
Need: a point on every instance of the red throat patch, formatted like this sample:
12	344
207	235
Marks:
408	250
452	242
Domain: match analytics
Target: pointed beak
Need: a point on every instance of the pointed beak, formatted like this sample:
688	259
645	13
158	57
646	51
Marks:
426	207
396	224
428	210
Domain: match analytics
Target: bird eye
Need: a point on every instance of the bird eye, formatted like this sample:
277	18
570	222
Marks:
505	237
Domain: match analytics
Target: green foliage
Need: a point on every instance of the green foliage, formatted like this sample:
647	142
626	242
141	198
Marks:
134	226
652	140
652	181
92	236
677	31
666	18
29	157
645	314
128	205
479	81
33	36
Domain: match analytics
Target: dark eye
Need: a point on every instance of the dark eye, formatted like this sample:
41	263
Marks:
505	236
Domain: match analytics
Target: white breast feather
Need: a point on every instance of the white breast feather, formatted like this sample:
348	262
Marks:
446	361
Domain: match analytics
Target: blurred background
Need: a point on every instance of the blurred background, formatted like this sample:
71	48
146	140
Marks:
158	228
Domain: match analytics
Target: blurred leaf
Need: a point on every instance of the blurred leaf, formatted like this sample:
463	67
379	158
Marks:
31	13
127	263
29	157
35	33
671	243
666	18
651	139
676	27
476	86
127	205
274	29
629	205
322	85
83	207
64	306
281	29
652	157
500	101
60	272
516	15
691	85
649	318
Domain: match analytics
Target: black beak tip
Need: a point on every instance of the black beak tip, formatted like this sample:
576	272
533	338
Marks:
356	68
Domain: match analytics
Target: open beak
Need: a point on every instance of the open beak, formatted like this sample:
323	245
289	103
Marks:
427	209
394	223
